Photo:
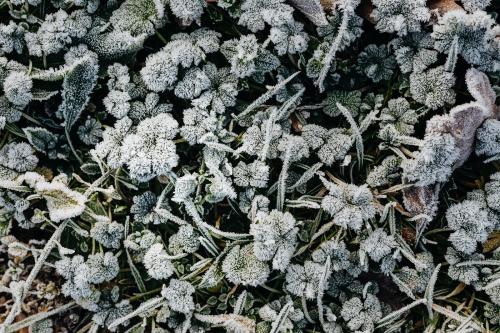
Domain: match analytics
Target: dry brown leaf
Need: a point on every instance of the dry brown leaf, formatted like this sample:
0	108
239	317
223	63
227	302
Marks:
492	243
443	6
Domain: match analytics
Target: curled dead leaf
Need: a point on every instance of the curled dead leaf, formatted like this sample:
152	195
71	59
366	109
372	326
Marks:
443	6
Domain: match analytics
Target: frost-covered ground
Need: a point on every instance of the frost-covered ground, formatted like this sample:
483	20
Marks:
268	166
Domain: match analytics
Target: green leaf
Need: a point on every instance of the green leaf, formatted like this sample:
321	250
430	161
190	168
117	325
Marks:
90	169
43	95
40	138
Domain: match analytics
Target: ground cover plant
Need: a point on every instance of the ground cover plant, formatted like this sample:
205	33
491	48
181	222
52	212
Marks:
249	166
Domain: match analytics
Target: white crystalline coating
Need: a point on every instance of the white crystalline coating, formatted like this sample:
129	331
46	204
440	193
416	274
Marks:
251	166
475	34
400	16
349	205
275	238
17	87
179	296
156	262
62	202
241	266
433	87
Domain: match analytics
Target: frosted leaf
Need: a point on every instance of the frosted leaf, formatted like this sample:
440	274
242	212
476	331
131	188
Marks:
417	279
219	189
62	202
241	266
472	224
314	135
188	49
197	123
255	174
350	99
113	137
492	312
349	205
139	243
339	255
17	88
184	241
150	152
400	16
400	115
492	189
77	284
9	112
313	10
42	326
193	84
330	31
90	132
270	313
108	234
275	238
414	52
117	103
151	107
113	44
475	5
488	139
143	209
247	57
119	78
160	72
102	267
316	63
362	315
494	294
474	33
90	6
110	310
259	203
184	187
378	244
376	62
293	148
434	162
12	37
255	13
138	16
179	296
385	173
337	144
222	90
304	280
77	87
254	138
18	156
289	38
467	273
479	87
57	31
157	263
187	10
433	87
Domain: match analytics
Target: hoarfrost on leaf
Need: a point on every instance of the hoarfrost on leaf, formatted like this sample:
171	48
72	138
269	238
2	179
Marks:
241	266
